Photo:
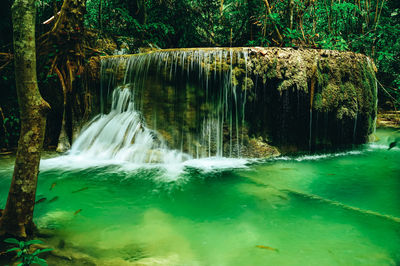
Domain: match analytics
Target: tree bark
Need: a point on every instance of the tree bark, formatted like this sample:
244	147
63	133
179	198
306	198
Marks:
18	213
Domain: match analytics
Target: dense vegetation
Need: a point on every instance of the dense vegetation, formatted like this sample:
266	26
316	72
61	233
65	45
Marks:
371	27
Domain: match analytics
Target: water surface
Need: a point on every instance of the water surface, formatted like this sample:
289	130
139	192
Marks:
329	209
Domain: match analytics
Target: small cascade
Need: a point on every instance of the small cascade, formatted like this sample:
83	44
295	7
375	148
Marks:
122	135
196	101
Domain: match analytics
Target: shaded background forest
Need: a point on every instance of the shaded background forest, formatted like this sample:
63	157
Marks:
371	27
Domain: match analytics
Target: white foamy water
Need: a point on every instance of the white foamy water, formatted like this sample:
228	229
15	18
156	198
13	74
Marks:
121	138
326	156
381	146
316	157
122	135
217	163
171	171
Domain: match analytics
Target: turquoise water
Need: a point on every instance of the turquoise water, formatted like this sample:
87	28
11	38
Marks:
329	209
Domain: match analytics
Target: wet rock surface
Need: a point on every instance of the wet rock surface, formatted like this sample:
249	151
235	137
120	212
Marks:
293	99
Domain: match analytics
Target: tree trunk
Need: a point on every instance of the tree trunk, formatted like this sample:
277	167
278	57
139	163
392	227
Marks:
65	41
291	7
269	13
18	213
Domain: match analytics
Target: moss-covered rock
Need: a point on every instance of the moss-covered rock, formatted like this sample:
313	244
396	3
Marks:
297	98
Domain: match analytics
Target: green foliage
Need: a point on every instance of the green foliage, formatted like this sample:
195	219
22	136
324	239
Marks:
371	27
368	27
333	43
25	257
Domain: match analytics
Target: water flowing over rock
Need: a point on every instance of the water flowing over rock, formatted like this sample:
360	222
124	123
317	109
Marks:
122	135
231	102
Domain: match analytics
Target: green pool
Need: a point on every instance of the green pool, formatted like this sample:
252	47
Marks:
330	209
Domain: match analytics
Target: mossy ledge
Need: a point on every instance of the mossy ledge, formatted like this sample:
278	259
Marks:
296	99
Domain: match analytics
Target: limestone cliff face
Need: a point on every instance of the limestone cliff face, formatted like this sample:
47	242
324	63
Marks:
314	98
246	101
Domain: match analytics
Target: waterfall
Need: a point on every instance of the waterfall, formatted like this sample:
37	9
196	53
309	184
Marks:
122	135
195	103
201	113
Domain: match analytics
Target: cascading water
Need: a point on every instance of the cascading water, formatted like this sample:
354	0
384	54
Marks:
122	135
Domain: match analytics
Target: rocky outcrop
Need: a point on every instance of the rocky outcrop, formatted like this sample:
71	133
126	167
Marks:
293	99
317	98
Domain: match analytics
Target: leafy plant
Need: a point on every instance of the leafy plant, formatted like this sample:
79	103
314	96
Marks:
25	257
